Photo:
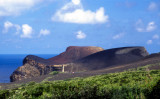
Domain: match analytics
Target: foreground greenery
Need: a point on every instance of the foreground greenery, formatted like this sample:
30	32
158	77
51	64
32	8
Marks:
133	84
54	73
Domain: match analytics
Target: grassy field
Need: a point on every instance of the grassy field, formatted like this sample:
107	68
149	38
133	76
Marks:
140	83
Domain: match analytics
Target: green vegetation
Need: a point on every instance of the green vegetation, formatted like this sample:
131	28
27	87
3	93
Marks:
135	84
155	94
54	73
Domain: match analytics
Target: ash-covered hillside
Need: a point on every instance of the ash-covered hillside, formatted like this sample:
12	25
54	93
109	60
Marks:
92	60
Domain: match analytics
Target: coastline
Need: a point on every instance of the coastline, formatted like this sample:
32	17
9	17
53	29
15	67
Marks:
10	62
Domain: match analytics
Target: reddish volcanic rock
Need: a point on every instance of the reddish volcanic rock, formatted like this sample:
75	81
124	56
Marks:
73	53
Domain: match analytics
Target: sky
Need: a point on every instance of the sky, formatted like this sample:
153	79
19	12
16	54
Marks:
50	26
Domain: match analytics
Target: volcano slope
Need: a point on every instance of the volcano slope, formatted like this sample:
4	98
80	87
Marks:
78	59
73	53
110	57
35	66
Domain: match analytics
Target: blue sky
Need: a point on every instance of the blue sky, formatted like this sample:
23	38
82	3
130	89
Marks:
49	26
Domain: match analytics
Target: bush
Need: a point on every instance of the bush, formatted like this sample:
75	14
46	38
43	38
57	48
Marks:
31	83
54	73
4	94
155	94
124	85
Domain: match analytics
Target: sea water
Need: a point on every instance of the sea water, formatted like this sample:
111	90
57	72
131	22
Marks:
10	62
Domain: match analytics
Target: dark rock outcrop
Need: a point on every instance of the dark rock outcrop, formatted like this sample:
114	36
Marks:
36	66
32	66
111	57
29	59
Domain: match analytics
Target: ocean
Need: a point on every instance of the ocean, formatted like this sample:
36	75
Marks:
10	62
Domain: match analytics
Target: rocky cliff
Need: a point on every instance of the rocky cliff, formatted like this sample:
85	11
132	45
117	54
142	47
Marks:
32	66
36	66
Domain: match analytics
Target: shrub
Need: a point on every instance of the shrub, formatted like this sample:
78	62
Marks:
31	83
4	94
124	85
155	94
54	73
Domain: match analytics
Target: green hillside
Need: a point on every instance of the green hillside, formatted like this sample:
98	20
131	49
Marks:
141	83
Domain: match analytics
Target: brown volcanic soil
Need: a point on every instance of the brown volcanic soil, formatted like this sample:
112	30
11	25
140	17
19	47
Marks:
73	53
152	60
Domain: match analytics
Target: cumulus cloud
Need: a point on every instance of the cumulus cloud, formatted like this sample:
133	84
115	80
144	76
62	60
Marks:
155	36
8	25
152	6
15	7
118	36
76	2
149	42
73	12
80	35
151	26
140	27
27	31
44	32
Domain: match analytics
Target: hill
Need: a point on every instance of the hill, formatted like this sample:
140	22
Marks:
73	53
35	66
102	62
111	57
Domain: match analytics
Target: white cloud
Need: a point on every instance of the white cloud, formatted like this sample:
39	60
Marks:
152	6
151	26
140	27
27	31
44	32
149	42
80	35
155	36
15	7
8	25
73	12
76	2
71	6
118	36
